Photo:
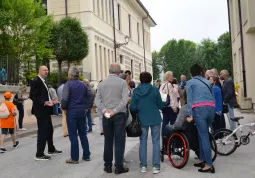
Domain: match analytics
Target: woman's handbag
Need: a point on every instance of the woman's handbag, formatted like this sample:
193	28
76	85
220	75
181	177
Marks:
225	108
165	97
134	128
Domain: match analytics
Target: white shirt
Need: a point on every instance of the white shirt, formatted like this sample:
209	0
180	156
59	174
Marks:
43	80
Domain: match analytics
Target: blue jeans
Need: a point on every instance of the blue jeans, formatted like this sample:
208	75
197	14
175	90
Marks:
204	116
56	109
114	131
76	121
89	119
155	134
169	116
231	114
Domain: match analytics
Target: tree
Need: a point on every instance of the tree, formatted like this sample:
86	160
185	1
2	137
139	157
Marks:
69	42
155	65
224	47
207	54
177	56
25	32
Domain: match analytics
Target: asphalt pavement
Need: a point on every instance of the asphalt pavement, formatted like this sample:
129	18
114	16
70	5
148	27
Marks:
19	163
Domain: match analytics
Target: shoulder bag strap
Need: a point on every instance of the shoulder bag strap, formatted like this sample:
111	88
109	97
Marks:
205	84
167	88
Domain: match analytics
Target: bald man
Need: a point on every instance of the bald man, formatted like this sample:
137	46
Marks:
42	107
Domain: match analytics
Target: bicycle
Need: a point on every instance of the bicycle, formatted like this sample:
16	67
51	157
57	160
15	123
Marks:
226	137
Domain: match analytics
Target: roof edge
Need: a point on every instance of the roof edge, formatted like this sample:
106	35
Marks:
147	12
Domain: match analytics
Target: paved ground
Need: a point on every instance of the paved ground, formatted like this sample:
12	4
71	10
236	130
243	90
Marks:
19	162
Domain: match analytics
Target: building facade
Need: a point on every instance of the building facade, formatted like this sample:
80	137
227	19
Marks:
242	25
97	18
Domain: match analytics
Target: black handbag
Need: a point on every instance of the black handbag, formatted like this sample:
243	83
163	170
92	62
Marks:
225	108
134	128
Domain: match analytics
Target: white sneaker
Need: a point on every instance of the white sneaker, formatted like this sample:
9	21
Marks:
155	170
143	170
23	129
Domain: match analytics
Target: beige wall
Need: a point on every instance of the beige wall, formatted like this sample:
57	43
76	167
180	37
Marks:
96	19
248	19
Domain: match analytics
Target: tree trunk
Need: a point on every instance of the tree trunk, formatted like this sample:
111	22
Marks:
59	71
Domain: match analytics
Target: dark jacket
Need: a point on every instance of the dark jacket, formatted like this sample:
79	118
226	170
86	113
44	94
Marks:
39	95
229	96
76	96
146	100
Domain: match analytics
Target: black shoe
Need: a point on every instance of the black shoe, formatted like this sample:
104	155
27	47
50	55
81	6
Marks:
108	169
42	158
16	144
87	159
210	170
201	164
3	149
121	170
101	133
56	152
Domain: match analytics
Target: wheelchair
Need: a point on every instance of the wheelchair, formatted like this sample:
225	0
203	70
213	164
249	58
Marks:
177	146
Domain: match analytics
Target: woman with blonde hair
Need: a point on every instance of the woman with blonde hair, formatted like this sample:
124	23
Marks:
170	112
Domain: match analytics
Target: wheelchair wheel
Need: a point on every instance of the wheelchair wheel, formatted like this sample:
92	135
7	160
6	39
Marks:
229	146
178	150
213	146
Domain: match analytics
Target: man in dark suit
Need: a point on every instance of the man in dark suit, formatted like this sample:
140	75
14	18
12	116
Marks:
229	96
42	107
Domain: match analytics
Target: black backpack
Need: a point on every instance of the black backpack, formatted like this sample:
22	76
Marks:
15	99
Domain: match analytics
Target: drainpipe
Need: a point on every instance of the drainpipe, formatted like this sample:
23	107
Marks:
230	36
114	32
144	50
242	47
66	8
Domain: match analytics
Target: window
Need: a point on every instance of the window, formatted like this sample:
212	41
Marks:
113	57
107	10
100	62
119	16
94	6
96	61
140	68
109	58
129	25
102	1
138	33
132	68
105	63
121	59
98	8
110	11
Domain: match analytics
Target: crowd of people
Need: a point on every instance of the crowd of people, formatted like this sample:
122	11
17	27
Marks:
203	99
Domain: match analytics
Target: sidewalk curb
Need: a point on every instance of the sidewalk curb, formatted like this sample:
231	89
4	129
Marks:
30	132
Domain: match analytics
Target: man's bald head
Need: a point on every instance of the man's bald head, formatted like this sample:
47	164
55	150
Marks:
43	71
115	69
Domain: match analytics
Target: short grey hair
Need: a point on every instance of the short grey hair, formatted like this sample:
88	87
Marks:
225	72
91	84
73	71
167	74
123	76
115	69
215	71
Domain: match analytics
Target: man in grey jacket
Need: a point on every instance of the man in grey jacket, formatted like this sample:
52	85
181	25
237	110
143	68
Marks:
111	100
229	96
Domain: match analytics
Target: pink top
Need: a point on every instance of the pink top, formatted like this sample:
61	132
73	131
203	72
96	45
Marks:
203	104
173	91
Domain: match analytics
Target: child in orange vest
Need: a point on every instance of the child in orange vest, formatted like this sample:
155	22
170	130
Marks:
8	124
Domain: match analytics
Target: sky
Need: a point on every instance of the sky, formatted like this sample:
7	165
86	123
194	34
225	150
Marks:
186	19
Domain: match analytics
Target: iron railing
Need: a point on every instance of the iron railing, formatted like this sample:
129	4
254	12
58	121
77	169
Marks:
12	70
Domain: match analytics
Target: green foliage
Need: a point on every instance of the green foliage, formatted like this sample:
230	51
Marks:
155	65
25	28
178	56
69	41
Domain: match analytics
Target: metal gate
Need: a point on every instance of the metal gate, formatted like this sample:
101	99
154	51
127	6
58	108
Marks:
12	69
